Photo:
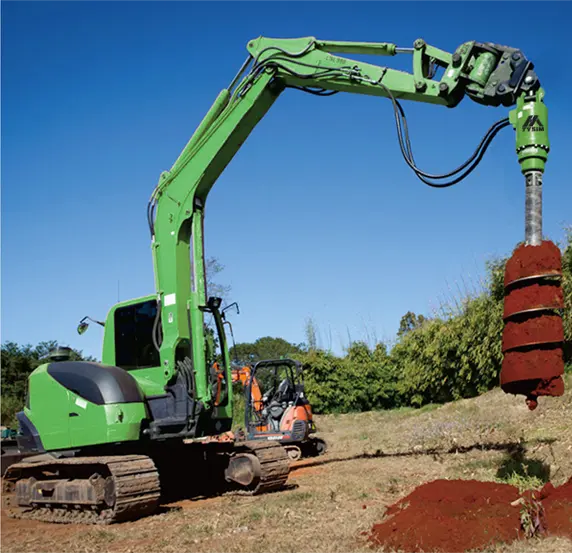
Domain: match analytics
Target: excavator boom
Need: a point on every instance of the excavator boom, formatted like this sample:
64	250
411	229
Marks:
489	74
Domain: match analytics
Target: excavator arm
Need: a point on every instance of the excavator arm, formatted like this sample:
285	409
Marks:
489	74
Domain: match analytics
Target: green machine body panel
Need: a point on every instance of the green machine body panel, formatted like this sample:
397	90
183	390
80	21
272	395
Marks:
48	409
66	419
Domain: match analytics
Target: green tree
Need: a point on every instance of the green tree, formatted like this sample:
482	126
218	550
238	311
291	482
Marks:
266	347
360	381
328	386
410	321
311	332
212	268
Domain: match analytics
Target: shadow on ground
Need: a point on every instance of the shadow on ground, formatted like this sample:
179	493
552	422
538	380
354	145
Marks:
516	462
515	454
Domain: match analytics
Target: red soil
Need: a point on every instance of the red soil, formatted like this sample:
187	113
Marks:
451	516
544	329
533	260
533	373
532	365
533	297
557	503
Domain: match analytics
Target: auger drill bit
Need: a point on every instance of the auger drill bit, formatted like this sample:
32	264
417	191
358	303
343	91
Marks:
533	334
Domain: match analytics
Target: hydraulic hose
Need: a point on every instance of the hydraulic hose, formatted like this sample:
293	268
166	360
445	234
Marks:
405	145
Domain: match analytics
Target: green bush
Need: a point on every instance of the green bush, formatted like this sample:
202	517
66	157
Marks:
10	406
450	359
362	380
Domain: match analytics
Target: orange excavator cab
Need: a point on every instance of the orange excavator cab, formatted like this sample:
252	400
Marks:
277	407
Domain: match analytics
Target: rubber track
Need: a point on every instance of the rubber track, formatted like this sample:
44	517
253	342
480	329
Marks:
137	490
274	464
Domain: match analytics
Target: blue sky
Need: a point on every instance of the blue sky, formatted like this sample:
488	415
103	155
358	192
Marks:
317	216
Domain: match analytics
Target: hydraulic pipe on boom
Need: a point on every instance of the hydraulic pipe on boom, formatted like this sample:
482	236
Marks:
114	432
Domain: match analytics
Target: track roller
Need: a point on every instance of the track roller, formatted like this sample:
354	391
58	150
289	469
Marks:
319	446
294	452
314	447
258	467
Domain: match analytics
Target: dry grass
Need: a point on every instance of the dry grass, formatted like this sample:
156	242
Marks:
374	459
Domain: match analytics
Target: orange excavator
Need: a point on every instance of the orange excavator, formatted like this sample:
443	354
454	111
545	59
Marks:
277	408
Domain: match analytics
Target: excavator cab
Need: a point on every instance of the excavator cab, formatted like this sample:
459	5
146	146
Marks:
280	389
277	408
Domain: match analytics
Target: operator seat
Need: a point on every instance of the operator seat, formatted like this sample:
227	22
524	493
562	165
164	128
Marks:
279	402
285	392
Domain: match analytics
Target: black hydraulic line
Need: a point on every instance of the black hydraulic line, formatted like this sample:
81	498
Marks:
401	124
154	332
315	91
406	150
492	130
468	171
151	212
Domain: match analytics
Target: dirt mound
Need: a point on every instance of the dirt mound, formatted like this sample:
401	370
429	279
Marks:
557	503
451	516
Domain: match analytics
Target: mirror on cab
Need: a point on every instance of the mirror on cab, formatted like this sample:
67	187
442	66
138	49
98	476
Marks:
83	326
235	305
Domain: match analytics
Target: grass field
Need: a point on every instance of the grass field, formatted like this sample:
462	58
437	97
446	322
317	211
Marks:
374	459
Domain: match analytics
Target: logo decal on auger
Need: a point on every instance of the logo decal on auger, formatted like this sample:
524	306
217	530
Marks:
533	124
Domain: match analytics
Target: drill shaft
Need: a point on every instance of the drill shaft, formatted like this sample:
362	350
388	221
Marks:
533	208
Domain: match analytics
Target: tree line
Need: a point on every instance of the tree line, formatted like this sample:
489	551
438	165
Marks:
453	354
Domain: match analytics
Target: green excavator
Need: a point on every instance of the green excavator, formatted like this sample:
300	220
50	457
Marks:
113	439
